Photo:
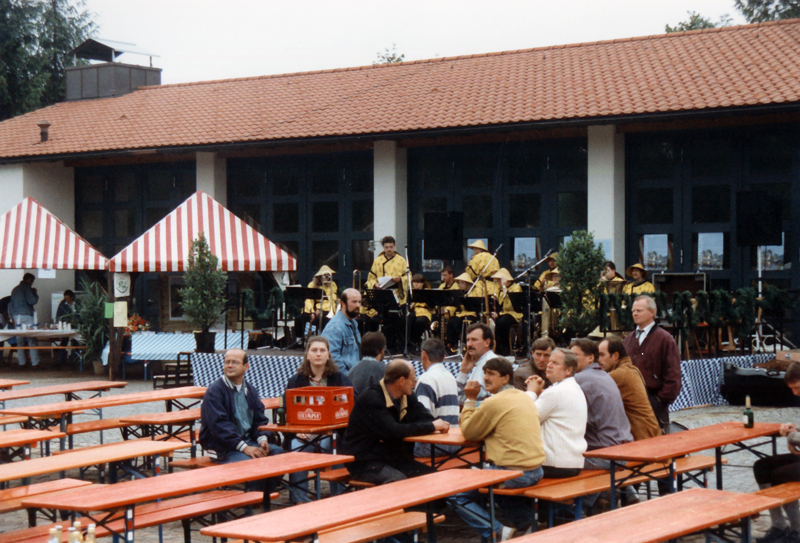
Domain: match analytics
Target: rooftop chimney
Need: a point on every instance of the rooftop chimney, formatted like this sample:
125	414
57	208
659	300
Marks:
44	130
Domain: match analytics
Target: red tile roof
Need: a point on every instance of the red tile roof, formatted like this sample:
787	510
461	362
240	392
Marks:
700	70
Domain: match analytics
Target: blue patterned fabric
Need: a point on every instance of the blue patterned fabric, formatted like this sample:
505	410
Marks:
164	346
702	379
268	374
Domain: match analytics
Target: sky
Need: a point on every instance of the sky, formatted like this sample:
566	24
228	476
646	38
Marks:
203	40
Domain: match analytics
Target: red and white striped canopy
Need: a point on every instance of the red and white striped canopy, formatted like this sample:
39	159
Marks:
165	247
34	238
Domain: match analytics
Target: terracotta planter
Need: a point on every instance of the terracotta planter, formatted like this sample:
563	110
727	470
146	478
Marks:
205	341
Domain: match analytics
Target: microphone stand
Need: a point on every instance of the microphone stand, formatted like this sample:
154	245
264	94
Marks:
529	335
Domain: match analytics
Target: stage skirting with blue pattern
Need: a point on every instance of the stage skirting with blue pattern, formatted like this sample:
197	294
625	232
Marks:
701	378
164	346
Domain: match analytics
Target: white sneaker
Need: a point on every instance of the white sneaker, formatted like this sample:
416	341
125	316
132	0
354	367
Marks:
507	533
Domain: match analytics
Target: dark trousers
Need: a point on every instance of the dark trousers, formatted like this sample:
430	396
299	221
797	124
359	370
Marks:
503	326
417	326
381	473
660	409
776	470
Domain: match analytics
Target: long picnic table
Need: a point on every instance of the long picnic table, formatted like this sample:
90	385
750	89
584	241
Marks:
117	453
46	415
662	519
132	493
453	438
19	442
308	519
665	448
7	384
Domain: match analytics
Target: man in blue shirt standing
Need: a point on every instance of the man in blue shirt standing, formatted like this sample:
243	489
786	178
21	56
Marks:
342	333
23	298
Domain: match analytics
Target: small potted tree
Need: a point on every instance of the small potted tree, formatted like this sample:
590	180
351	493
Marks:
580	262
203	297
92	324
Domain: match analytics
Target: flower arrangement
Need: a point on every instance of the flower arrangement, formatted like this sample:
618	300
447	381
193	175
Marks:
136	324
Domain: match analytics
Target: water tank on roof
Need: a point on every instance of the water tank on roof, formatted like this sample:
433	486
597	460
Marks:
108	78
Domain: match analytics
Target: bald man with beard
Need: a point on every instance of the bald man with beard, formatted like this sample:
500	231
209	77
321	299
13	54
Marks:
342	333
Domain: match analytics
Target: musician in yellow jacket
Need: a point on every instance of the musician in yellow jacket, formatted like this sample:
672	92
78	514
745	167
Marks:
419	315
504	317
542	283
316	310
389	264
482	264
640	283
454	325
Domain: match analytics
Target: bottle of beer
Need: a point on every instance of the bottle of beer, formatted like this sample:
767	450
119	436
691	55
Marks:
53	538
280	414
748	413
90	537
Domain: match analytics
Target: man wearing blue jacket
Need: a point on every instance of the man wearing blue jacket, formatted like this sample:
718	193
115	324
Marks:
344	339
231	414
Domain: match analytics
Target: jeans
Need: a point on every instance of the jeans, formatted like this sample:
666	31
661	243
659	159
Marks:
517	511
601	463
237	456
298	490
22	341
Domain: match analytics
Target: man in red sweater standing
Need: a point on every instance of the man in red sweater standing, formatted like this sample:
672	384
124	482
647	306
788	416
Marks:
654	351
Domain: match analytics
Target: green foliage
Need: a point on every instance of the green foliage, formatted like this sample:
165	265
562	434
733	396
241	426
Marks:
203	297
580	264
35	37
695	22
276	299
389	57
93	325
758	11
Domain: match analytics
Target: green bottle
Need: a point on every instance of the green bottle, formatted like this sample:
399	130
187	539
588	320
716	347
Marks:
280	414
748	413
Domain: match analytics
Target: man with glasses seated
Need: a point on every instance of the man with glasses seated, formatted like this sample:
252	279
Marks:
231	414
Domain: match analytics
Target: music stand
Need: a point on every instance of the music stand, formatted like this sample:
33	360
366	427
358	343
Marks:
438	298
381	300
474	304
553	299
304	293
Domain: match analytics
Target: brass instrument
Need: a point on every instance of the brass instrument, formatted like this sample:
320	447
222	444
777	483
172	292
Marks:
356	282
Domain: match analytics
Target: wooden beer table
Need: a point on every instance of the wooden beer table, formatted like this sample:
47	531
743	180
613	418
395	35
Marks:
101	503
60	413
664	519
7	384
452	438
69	390
170	424
664	449
19	443
118	454
308	519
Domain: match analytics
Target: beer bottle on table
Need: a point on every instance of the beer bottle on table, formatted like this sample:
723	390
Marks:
748	413
280	415
53	538
90	537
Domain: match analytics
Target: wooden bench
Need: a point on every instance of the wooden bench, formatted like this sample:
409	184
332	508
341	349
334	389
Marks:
11	499
192	463
12	419
183	437
93	426
787	492
343	477
186	508
571	491
176	373
375	528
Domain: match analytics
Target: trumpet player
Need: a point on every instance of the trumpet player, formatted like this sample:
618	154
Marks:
320	310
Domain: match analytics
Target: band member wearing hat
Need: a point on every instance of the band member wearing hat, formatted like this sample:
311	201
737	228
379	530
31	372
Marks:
464	282
552	266
314	311
505	317
481	258
419	315
640	283
448	283
389	264
610	279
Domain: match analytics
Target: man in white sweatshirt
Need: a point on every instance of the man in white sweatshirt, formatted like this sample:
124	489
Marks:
562	414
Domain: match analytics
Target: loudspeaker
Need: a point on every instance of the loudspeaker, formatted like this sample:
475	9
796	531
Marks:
444	236
758	219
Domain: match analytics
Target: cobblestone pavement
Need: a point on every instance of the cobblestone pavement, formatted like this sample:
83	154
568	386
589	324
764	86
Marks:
737	473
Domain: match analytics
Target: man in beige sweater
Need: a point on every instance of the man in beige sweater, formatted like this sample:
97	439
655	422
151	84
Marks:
508	423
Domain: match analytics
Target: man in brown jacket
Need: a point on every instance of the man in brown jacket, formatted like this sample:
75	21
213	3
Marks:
615	360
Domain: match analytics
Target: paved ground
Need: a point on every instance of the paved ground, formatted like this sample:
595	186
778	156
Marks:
737	473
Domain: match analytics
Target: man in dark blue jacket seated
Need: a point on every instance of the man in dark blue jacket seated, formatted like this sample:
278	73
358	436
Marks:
231	414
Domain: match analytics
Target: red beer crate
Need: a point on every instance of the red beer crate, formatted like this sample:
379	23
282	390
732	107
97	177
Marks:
313	406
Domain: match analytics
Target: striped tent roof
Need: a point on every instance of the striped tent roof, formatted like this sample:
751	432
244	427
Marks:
165	246
34	238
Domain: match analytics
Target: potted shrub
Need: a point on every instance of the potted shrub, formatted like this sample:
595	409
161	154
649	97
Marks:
92	324
580	262
203	297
